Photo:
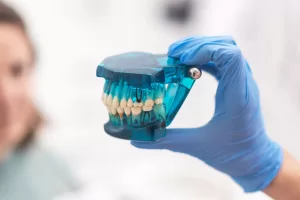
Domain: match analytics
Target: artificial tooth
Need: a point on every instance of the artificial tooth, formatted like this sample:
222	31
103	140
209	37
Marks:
136	110
109	100
159	101
123	103
149	103
129	103
136	104
108	108
113	110
120	111
127	111
147	108
115	102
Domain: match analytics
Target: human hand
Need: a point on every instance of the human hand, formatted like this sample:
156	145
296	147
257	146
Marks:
234	141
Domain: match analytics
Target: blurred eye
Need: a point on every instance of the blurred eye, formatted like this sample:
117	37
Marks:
17	70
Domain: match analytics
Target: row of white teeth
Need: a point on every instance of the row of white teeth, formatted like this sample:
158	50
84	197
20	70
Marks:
128	106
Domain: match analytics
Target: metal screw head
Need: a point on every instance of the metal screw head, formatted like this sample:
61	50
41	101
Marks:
195	73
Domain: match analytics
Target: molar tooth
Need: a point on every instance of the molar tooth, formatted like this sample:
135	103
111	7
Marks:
147	108
129	102
115	102
123	103
113	110
159	101
136	104
136	110
149	103
109	100
127	111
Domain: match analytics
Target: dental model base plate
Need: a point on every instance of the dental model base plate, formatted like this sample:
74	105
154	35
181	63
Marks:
143	92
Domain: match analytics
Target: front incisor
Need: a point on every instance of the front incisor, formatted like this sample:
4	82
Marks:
136	110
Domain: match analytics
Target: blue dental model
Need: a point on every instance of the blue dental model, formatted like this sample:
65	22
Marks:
143	93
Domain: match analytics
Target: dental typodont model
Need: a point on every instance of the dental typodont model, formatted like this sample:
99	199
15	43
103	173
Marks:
143	92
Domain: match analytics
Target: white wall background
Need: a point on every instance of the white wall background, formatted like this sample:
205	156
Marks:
73	36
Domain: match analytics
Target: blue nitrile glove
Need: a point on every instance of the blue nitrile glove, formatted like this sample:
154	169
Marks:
234	141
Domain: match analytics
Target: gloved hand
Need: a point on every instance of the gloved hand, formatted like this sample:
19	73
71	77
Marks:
234	141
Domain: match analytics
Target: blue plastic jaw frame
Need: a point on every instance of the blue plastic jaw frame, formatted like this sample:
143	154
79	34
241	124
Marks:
143	93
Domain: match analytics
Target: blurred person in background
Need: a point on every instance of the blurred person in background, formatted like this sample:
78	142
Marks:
27	170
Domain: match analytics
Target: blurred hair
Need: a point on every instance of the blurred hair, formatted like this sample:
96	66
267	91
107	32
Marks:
10	16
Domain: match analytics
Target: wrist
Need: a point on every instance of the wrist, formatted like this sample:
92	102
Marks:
286	185
264	167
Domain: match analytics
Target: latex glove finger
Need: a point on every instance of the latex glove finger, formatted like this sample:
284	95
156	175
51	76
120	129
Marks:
229	67
191	41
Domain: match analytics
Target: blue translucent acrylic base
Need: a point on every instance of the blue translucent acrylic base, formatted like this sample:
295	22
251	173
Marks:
151	132
142	93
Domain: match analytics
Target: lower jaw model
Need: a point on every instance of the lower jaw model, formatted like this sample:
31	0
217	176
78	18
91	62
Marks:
142	93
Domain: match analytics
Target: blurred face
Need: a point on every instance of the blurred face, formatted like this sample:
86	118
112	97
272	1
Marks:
15	71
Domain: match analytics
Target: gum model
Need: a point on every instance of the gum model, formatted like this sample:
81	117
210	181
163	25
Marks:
143	92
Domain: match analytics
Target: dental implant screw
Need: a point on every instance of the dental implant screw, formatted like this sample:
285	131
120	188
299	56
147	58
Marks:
195	73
